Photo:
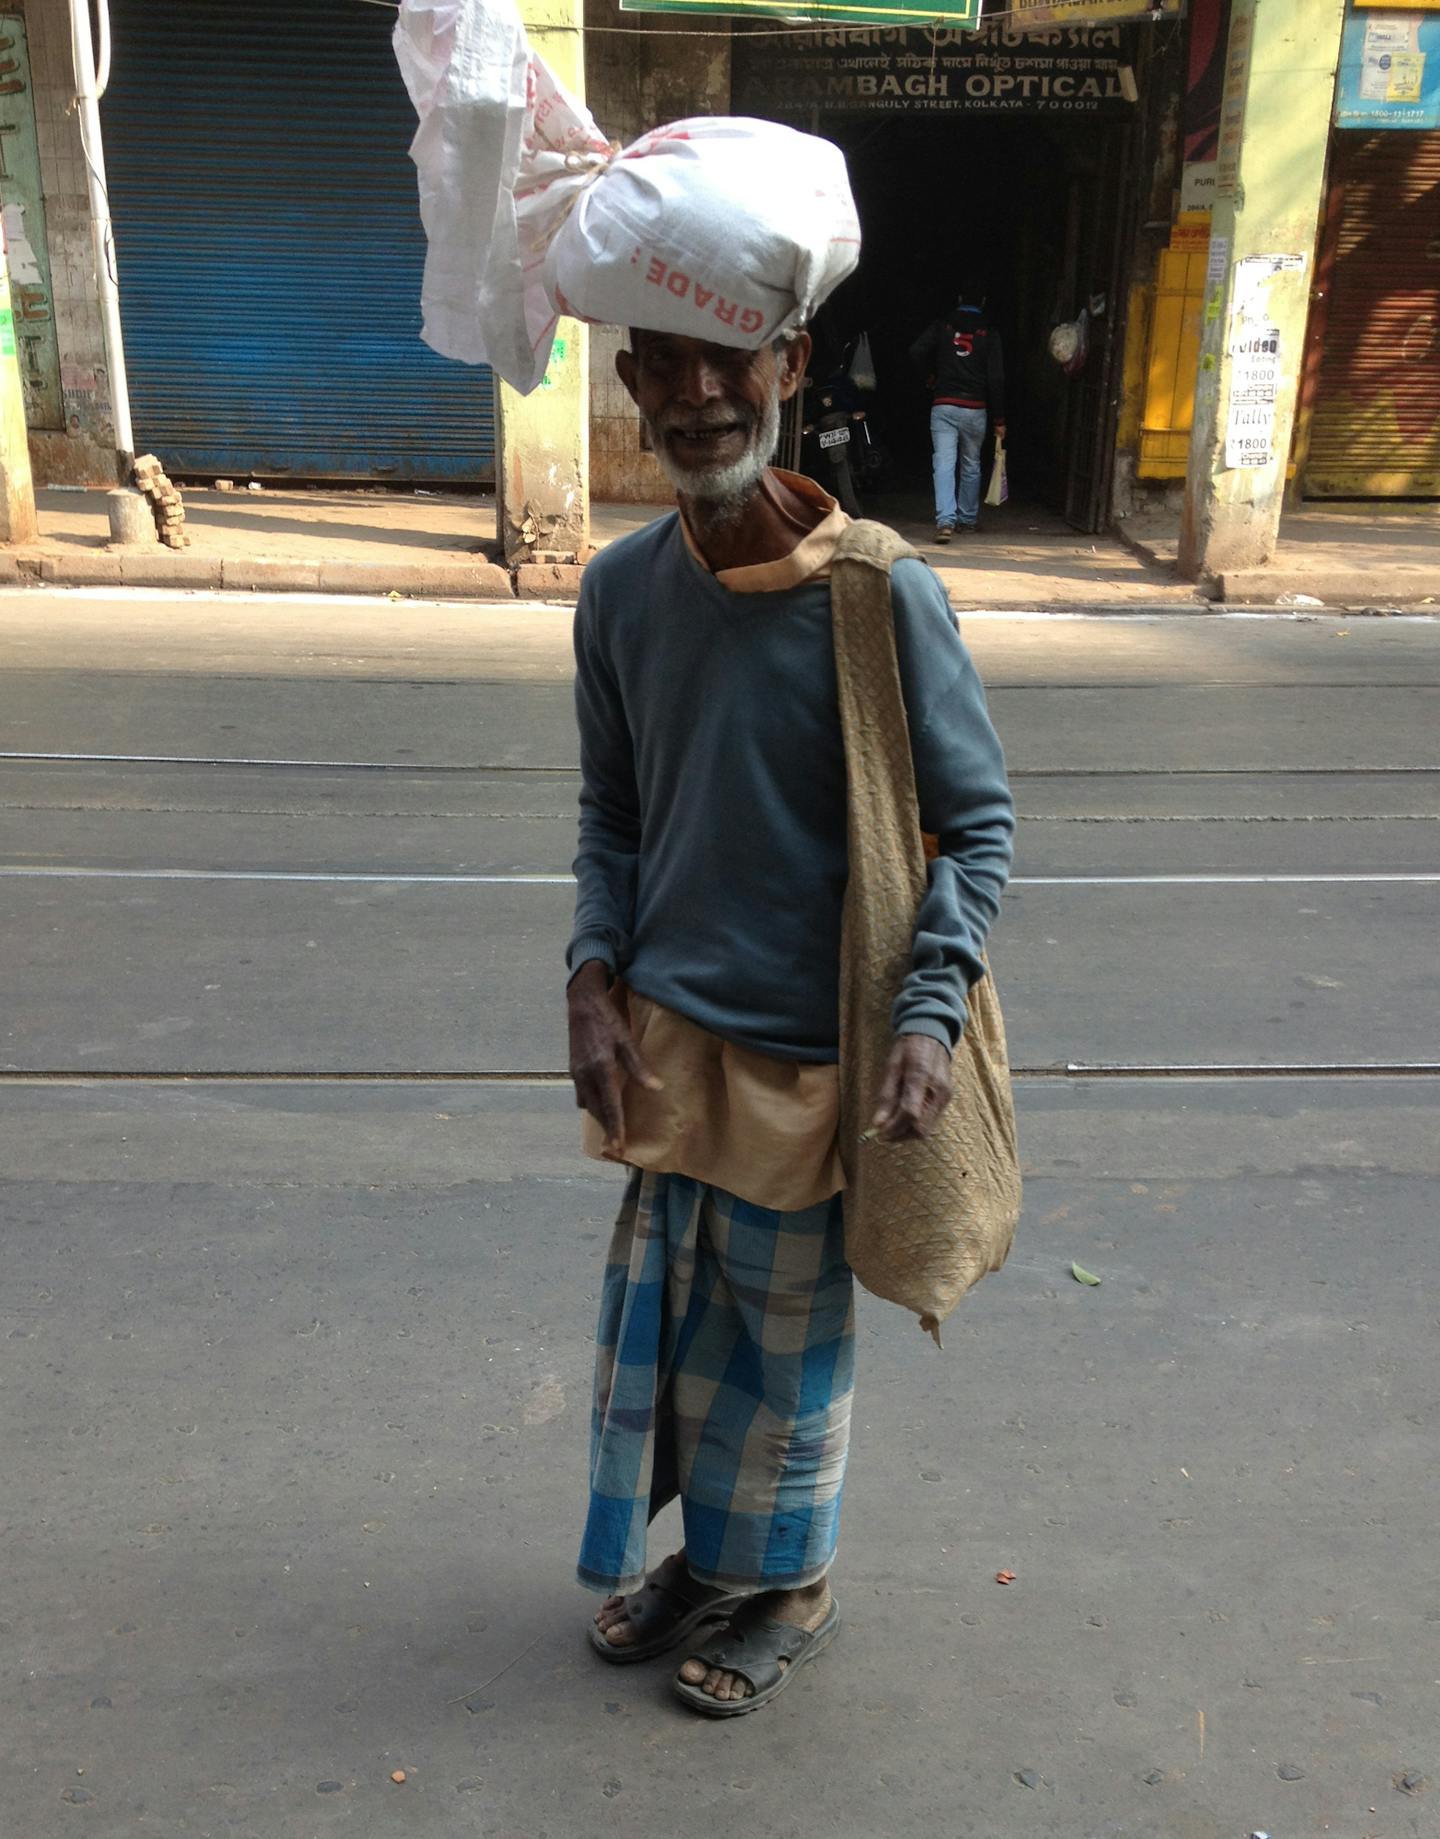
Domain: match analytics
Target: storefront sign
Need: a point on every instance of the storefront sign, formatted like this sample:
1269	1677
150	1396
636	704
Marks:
1001	69
24	227
962	13
1204	88
1389	70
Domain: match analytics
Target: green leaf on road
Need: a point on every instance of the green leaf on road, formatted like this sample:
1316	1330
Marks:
1081	1275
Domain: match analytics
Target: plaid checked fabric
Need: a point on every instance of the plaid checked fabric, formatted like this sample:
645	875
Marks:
724	1375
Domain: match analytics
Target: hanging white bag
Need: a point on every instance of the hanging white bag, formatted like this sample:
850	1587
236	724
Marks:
862	366
502	151
725	229
999	487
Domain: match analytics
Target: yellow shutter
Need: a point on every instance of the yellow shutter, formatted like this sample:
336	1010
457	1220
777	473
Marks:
1174	350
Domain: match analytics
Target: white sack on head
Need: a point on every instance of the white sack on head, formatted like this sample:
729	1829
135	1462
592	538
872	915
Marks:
720	228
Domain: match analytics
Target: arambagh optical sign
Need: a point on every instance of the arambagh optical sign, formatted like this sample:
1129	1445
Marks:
924	70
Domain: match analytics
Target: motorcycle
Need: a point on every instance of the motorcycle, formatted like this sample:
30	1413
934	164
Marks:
834	430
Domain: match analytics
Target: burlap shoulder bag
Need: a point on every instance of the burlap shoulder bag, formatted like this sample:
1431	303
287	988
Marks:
923	1220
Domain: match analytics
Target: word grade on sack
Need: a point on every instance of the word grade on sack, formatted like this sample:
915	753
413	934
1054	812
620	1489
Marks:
729	312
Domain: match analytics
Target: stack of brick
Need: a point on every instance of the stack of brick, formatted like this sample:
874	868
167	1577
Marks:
164	500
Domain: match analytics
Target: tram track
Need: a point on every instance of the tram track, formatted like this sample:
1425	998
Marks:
1309	1071
285	786
406	877
23	757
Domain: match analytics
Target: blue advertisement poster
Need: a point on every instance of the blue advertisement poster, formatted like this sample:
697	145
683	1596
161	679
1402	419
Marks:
1389	69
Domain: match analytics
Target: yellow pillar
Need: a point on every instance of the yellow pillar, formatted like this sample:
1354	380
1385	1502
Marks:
542	474
17	488
1275	131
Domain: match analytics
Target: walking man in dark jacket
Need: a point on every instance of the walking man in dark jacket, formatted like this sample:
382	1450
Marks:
961	360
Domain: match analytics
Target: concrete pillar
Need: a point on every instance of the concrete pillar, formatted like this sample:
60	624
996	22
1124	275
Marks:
1274	136
17	488
542	473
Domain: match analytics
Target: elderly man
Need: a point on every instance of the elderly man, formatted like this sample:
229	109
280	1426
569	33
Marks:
703	1010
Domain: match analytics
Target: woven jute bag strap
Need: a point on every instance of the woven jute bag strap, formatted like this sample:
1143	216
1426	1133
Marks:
923	1220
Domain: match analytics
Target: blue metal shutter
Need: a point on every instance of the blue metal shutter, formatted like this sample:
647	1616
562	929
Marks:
270	248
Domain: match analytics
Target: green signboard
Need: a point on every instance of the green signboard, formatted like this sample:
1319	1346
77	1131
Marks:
963	13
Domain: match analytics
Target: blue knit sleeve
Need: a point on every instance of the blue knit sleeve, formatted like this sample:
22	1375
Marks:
606	865
964	801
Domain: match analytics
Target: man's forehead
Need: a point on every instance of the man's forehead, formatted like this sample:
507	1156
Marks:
676	345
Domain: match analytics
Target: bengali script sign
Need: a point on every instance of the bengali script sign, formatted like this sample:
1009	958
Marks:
961	13
1000	69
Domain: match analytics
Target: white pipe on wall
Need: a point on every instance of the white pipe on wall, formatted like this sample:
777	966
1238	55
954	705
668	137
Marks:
102	74
88	114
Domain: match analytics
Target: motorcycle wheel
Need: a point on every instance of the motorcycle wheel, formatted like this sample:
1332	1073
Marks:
843	484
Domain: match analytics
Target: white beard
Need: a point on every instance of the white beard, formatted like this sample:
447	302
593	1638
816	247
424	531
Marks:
724	491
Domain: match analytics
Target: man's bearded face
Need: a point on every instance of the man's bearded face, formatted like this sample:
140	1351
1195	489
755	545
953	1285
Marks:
713	412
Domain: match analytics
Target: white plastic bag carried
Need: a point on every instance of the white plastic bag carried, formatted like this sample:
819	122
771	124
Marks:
720	228
999	488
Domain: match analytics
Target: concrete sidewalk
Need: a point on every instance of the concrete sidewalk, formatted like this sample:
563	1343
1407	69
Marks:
443	546
1359	556
432	545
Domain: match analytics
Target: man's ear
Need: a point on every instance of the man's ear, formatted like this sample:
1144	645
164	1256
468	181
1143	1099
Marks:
794	357
626	371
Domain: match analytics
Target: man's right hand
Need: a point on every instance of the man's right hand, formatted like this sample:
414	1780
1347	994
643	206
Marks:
603	1054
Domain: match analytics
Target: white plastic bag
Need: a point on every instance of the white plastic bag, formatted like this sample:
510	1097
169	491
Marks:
720	228
502	150
862	365
1069	343
999	488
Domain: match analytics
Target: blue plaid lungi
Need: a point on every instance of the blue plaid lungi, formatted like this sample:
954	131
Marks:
724	1375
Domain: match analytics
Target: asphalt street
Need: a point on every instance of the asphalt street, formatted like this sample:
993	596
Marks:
301	1260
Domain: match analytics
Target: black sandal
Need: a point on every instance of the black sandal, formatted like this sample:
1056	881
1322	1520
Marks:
662	1615
754	1650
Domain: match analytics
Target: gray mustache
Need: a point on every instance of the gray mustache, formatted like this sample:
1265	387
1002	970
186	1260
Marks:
705	423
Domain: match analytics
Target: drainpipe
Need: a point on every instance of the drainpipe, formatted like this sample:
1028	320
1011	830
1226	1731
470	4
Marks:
88	114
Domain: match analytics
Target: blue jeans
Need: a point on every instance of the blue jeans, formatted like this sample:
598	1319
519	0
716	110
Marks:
951	429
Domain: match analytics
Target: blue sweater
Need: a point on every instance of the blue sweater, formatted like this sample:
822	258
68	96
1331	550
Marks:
713	859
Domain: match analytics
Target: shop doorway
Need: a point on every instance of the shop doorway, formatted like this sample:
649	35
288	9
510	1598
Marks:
1037	205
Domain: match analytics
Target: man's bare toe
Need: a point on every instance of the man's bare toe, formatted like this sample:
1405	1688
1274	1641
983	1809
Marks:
694	1672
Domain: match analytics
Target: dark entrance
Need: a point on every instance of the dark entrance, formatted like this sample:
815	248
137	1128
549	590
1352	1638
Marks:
1035	207
999	151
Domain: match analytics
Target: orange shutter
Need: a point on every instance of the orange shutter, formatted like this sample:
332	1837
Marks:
1375	430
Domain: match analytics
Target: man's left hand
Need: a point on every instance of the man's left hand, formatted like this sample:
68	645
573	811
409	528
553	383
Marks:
914	1090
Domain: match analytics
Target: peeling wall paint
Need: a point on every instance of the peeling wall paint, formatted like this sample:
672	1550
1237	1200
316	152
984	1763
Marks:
23	211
